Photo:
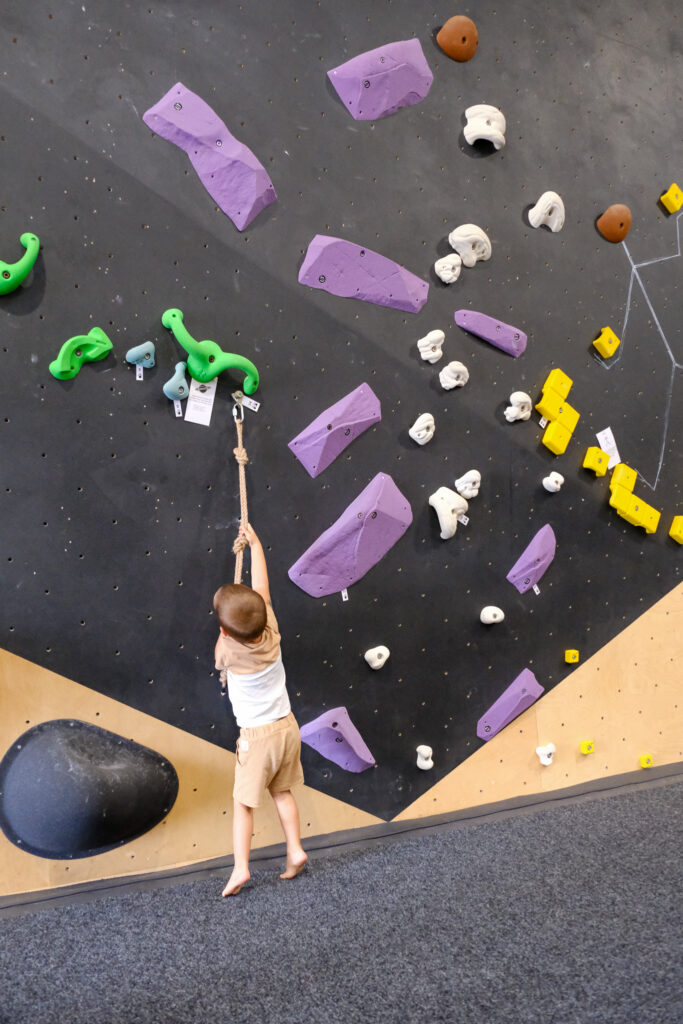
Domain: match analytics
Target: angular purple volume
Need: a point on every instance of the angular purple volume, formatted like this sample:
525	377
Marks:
228	170
510	339
520	695
379	82
534	560
335	736
346	269
335	428
362	535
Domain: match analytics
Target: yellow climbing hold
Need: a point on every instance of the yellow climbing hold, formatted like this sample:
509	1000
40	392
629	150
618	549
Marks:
571	657
607	343
596	459
672	199
587	747
645	761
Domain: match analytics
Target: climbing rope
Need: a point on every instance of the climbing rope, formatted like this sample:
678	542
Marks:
241	457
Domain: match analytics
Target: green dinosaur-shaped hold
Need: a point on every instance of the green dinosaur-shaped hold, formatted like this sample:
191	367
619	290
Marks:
206	359
83	348
12	274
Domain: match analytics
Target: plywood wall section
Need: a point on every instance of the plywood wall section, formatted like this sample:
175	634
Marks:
626	699
198	827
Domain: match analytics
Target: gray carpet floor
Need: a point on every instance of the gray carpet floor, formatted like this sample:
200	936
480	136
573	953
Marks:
568	914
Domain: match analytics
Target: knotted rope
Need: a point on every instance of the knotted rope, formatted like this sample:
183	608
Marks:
242	459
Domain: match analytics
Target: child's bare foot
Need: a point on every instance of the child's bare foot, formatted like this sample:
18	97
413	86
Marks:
235	883
295	865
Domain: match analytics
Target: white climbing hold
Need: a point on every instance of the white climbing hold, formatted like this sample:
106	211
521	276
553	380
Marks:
553	482
468	485
423	428
519	407
431	346
485	122
545	753
424	757
449	506
448	268
376	657
455	375
549	210
490	614
471	243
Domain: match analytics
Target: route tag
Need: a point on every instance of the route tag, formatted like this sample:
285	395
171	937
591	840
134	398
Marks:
345	594
139	372
200	402
536	589
177	405
251	404
543	422
608	444
463	519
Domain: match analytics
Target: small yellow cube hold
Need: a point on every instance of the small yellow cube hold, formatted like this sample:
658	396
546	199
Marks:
596	459
571	657
676	531
557	380
623	476
607	343
587	747
556	437
550	404
645	761
633	509
672	199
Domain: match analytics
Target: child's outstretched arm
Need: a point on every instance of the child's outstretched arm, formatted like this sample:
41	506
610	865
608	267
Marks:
259	570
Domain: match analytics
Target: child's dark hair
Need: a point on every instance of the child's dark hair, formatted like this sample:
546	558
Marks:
240	610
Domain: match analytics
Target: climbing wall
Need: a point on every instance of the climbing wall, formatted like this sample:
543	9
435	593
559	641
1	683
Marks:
118	517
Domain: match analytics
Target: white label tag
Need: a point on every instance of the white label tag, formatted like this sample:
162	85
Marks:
200	402
139	372
345	594
177	405
543	421
463	519
608	444
536	589
251	404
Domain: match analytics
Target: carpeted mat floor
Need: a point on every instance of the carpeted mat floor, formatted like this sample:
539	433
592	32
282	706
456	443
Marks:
569	914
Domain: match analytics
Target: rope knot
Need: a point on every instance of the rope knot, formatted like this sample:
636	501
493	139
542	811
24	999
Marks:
240	454
239	545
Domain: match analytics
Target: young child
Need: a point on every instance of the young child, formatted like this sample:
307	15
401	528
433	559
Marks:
269	744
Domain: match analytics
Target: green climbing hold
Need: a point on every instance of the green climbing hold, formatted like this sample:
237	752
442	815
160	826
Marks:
12	274
206	359
84	348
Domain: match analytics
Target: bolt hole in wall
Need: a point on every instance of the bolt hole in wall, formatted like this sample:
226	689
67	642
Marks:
149	535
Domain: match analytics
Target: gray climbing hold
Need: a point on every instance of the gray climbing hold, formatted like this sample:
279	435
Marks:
177	387
141	355
70	789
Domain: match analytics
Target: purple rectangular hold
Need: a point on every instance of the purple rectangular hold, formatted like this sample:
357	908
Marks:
234	178
354	272
363	534
333	430
504	336
520	695
534	560
379	82
334	735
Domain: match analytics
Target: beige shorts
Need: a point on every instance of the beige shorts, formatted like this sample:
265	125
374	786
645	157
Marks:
268	757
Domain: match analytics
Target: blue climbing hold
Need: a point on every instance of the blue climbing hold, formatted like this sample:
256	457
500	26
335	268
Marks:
141	355
177	387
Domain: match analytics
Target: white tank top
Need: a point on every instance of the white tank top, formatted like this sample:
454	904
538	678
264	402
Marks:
259	698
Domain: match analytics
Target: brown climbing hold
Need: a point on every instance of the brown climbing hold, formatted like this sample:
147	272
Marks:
459	38
615	223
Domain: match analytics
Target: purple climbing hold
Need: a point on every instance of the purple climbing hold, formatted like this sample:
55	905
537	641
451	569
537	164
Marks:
334	735
346	269
236	181
534	560
520	695
363	534
379	82
504	336
335	428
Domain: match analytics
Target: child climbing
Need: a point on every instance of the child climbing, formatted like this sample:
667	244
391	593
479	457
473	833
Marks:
269	745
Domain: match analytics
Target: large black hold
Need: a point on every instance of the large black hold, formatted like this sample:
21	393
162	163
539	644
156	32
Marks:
70	789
